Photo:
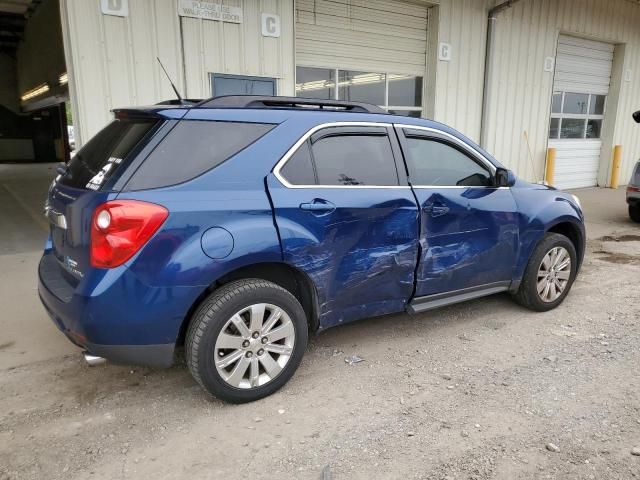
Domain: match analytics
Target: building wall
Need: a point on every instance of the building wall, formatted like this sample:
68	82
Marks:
113	64
113	59
9	97
239	48
40	56
525	35
15	129
457	87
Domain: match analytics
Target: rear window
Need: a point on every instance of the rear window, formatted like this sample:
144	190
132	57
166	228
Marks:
100	159
192	148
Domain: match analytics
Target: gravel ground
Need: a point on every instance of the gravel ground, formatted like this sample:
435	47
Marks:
480	390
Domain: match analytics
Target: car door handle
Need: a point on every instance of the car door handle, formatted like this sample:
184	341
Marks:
318	206
436	210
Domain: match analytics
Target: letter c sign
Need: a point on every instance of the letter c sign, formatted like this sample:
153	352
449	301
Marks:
270	25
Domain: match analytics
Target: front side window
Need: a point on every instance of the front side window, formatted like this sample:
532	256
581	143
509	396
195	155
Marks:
433	162
576	115
343	159
399	94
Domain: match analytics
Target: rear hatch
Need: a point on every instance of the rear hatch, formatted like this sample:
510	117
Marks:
86	183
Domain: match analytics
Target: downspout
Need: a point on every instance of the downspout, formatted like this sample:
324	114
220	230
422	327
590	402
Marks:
488	67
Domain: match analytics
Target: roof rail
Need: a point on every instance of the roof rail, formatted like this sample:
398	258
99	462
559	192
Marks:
257	101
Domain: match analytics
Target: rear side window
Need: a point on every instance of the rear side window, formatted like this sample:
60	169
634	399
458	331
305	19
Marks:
192	148
104	155
299	168
344	158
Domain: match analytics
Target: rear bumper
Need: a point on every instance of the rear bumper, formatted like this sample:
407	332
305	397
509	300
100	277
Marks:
116	316
633	197
160	355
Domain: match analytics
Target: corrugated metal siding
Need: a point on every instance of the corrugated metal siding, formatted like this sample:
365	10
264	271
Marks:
379	36
459	82
112	60
239	48
525	35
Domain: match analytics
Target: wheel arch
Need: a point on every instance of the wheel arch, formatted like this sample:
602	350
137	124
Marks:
574	233
286	276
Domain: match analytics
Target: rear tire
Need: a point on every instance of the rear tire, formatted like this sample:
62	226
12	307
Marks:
545	285
246	340
634	213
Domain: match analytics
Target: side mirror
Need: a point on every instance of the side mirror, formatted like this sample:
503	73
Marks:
636	116
505	178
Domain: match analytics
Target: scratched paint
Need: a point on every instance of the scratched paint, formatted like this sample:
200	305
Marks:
361	257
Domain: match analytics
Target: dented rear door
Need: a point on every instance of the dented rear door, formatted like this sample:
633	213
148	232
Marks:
348	219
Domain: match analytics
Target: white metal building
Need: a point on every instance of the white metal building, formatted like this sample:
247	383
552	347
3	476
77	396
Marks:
557	73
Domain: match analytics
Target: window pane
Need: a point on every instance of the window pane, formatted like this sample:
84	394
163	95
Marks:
434	163
106	152
553	127
593	128
575	103
361	87
556	102
572	128
315	83
242	85
299	170
192	148
407	113
355	160
597	104
405	90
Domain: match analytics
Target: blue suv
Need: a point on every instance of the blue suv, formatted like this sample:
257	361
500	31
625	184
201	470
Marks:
238	225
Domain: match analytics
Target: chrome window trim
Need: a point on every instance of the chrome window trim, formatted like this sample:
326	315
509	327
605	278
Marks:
420	187
472	151
281	163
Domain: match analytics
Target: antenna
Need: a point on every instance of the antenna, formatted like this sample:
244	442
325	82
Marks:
172	85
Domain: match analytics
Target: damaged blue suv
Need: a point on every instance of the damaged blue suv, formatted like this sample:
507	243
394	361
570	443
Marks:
237	226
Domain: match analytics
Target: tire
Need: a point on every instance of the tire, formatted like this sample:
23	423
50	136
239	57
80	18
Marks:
528	294
634	213
217	325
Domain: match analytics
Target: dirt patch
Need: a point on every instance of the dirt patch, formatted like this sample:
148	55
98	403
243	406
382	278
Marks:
621	238
6	345
472	391
619	258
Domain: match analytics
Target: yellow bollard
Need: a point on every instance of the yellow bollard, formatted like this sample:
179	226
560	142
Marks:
551	166
615	166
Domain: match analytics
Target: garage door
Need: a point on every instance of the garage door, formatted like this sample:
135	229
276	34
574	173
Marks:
371	50
580	89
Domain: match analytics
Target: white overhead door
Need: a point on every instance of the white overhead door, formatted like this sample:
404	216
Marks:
580	88
371	50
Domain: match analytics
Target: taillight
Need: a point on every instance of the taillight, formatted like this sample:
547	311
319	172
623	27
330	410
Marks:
120	228
632	189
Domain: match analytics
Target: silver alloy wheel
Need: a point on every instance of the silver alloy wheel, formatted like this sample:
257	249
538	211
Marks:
553	274
254	345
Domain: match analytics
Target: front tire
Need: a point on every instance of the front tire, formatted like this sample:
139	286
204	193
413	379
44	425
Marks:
634	213
549	274
246	340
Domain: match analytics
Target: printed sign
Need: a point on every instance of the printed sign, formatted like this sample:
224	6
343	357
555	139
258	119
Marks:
119	8
270	25
209	10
